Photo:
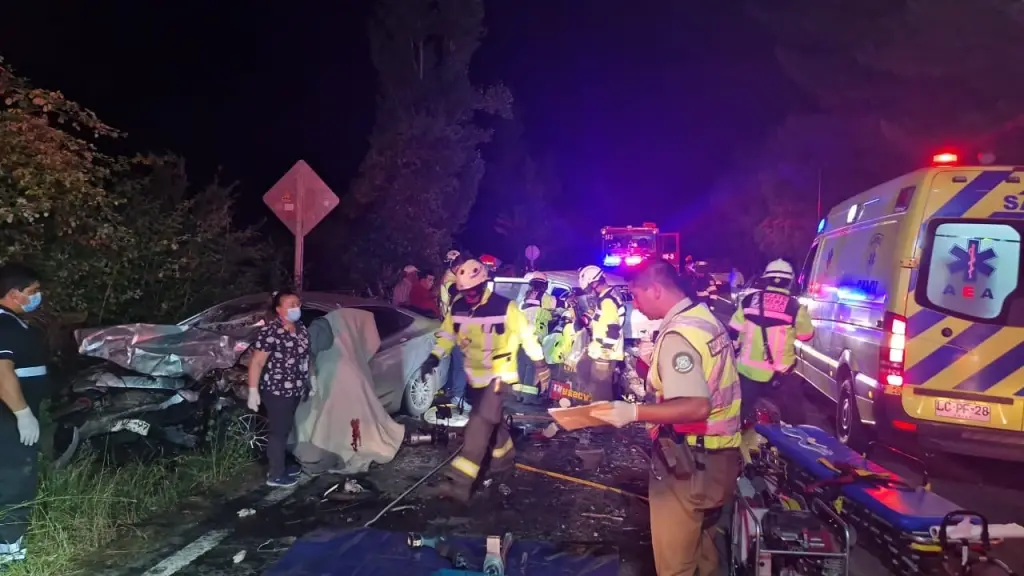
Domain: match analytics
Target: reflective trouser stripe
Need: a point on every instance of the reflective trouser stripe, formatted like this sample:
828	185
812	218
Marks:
30	371
503	450
524	389
466	466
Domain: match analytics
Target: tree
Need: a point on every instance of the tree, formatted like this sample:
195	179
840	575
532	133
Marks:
421	175
119	238
530	217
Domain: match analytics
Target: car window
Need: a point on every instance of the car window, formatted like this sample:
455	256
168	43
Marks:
971	269
389	321
803	281
310	314
232	315
511	290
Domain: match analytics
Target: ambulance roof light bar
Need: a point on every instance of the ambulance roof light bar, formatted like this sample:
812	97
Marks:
945	159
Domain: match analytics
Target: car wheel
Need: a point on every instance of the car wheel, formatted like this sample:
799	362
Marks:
849	429
419	394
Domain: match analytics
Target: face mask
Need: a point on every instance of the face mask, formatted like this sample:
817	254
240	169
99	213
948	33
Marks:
293	314
33	302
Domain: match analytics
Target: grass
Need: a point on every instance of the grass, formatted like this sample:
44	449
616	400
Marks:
86	505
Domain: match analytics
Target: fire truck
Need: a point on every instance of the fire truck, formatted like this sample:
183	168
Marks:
631	245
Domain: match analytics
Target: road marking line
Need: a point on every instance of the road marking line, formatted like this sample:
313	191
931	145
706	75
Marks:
190	553
187	555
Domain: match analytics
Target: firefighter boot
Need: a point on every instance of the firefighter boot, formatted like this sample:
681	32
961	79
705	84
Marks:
456	487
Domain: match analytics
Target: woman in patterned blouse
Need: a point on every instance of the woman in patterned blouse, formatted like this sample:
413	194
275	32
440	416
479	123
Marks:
279	379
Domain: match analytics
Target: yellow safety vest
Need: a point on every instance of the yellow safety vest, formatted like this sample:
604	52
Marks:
489	335
710	339
447	284
607	338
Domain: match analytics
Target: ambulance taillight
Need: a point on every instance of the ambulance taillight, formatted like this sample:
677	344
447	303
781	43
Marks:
892	353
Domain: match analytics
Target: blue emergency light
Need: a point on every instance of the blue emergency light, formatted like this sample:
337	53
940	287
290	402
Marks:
821	226
612	260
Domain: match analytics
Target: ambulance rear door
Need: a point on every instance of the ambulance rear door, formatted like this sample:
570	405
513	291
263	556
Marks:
965	310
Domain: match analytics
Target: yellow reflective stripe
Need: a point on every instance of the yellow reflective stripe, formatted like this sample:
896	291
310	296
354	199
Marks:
718	442
526	389
466	466
503	450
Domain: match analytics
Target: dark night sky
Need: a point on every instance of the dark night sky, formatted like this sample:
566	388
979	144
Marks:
652	100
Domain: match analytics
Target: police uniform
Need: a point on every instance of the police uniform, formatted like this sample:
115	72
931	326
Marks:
693	358
26	347
607	344
489	334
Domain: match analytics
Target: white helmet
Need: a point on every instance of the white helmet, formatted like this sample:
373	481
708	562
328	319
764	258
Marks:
470	275
410	269
538	276
589	275
778	269
451	256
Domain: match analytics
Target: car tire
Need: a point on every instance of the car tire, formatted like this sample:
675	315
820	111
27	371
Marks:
849	428
419	393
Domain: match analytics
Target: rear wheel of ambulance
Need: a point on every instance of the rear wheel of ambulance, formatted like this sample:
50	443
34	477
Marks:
849	428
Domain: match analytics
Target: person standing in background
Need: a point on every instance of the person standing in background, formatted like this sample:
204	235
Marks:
400	295
456	372
422	299
23	386
279	380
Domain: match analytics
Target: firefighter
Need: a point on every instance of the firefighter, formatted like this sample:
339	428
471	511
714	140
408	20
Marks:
456	372
489	329
607	340
538	307
767	323
694	424
452	260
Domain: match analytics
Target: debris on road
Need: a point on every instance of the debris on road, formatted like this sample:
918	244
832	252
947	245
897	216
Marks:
237	558
246	512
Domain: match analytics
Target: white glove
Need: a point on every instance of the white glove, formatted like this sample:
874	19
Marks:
28	426
312	384
617	413
253	402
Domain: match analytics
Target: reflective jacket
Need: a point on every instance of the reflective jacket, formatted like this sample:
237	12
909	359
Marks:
447	291
711	340
769	323
489	335
606	327
539	313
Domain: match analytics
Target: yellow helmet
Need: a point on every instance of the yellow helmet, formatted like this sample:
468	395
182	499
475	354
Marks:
470	274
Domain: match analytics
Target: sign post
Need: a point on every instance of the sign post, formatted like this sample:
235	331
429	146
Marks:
532	253
300	199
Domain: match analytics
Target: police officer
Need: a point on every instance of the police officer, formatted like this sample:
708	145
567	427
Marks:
607	339
489	330
694	424
538	307
767	323
23	386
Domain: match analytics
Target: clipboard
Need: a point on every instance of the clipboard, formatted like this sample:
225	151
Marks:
577	417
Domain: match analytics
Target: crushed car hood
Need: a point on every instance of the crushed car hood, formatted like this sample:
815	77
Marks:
166	350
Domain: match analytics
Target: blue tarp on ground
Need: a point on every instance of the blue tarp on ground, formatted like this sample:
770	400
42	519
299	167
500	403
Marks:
372	552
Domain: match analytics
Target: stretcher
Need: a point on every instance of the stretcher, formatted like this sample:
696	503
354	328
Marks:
908	527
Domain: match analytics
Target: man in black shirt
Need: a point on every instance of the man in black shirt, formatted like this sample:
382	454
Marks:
23	386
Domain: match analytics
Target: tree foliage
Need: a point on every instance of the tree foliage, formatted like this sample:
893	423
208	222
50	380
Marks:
118	238
420	178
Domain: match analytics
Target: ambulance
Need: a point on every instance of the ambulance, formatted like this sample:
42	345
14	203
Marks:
916	294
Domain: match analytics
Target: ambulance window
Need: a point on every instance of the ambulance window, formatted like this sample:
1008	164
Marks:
971	269
803	280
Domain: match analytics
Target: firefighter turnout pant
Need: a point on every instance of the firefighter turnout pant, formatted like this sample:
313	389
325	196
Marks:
597	378
683	533
486	434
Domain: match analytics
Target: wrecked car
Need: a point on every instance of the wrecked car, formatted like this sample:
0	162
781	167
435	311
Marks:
177	384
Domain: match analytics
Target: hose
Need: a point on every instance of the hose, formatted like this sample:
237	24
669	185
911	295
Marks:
580	481
413	487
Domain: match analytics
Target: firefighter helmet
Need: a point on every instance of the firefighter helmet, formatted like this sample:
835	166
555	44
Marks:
536	277
470	275
589	275
451	256
778	269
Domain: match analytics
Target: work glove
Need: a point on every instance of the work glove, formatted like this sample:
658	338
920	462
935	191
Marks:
429	365
542	374
311	388
617	413
28	426
253	402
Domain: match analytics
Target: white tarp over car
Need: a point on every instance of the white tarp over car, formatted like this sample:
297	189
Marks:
344	428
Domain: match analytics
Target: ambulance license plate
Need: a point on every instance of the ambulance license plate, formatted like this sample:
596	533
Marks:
963	410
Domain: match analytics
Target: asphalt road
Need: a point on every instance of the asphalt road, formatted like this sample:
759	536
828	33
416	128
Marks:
537	507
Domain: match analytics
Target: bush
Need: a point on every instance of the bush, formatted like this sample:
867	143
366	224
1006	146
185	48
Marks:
119	238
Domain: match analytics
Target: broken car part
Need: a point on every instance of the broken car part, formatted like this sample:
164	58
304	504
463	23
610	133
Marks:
580	481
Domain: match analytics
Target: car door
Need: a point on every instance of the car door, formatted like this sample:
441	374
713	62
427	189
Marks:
391	366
